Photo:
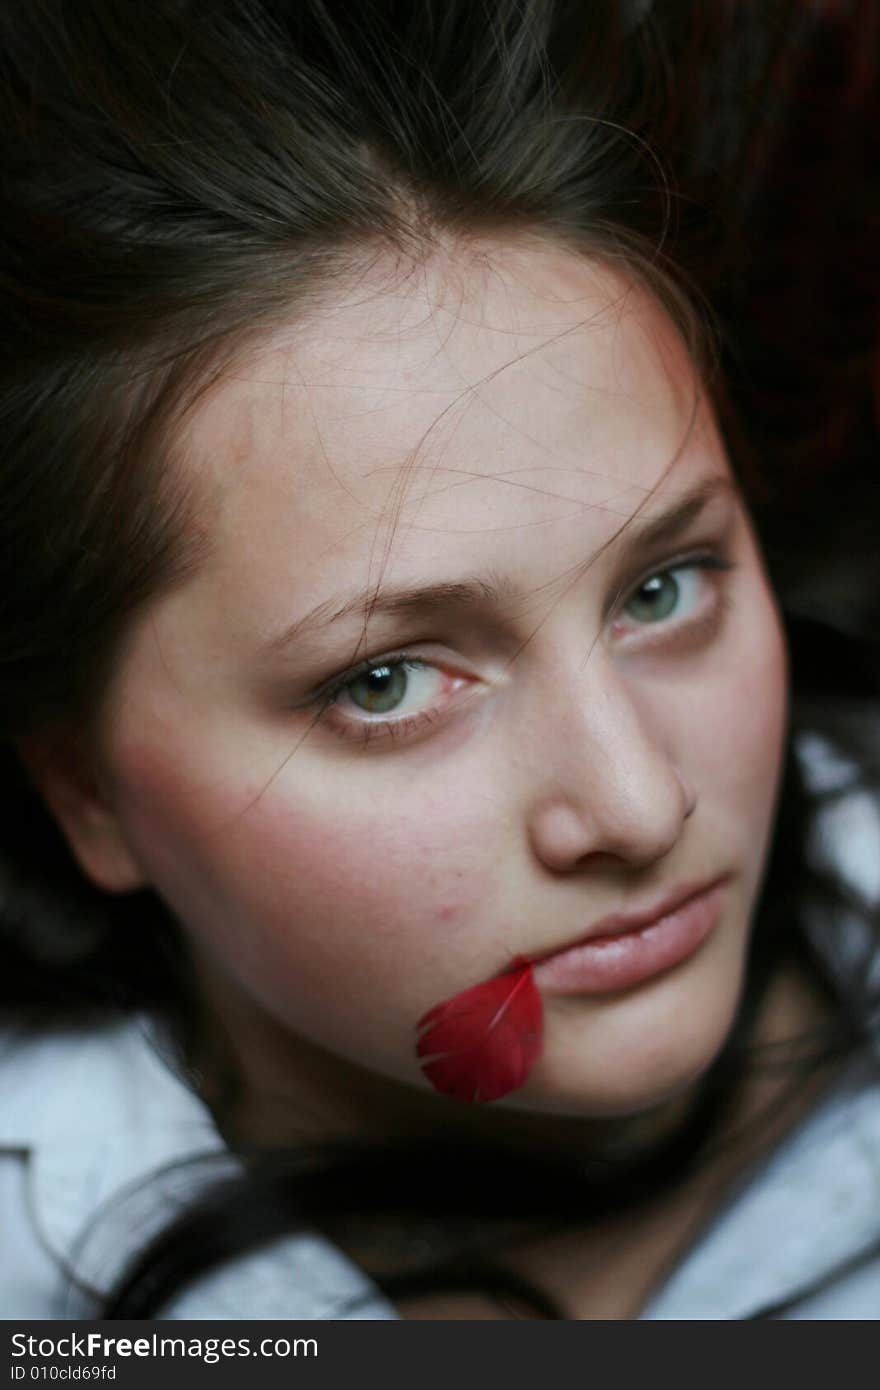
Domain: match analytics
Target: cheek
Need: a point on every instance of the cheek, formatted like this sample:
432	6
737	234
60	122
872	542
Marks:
313	898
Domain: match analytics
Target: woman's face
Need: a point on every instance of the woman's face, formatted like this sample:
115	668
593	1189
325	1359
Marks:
460	465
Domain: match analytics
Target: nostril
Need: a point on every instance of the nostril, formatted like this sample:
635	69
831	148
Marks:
559	835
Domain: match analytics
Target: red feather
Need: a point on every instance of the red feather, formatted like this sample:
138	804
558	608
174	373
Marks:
483	1042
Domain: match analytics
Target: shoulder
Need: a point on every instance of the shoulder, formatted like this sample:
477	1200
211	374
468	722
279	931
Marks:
87	1115
800	1236
843	848
115	1078
101	1141
846	831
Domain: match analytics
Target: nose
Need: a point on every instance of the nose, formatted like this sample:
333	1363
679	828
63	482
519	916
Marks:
607	782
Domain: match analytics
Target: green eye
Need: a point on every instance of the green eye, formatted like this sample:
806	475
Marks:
379	690
656	599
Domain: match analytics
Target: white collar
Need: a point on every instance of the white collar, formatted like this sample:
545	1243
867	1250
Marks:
806	1210
100	1112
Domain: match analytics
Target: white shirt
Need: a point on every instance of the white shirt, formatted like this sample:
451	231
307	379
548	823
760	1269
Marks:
100	1118
100	1144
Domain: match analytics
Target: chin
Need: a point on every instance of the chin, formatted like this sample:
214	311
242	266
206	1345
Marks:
627	1055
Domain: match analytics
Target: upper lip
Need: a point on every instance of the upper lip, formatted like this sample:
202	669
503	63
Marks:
619	923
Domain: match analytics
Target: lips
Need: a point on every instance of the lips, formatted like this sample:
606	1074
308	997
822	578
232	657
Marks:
626	947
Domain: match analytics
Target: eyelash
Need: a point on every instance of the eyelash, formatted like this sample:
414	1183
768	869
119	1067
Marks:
367	729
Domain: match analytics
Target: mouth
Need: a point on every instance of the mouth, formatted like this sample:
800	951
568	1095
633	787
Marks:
626	948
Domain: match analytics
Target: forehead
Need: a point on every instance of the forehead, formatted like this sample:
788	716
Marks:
488	392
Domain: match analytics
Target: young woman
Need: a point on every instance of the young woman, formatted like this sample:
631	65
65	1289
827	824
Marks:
429	889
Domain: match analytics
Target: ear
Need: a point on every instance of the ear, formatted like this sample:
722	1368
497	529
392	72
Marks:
64	773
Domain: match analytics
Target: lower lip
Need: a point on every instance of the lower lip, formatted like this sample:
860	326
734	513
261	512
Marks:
610	963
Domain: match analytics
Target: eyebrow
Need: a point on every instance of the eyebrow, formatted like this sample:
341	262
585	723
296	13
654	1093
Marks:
482	592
